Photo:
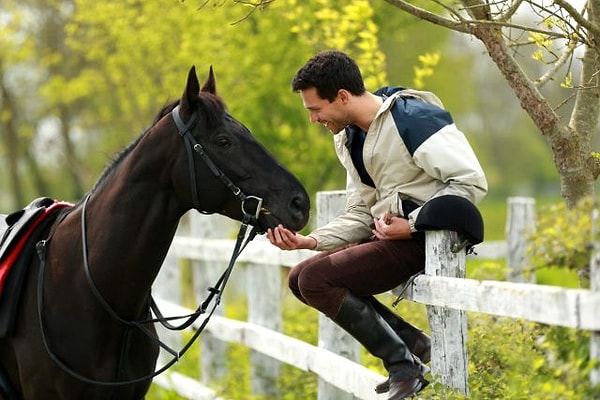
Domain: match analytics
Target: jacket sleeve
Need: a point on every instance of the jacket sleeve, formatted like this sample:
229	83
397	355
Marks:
448	157
353	226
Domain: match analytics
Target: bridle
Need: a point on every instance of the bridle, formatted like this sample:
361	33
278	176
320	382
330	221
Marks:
191	145
245	235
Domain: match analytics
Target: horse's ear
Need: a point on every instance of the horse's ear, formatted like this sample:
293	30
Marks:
210	85
191	90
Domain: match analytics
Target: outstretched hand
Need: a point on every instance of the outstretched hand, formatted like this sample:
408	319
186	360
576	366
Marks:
289	240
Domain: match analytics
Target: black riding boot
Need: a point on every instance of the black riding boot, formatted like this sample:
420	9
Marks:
358	317
416	340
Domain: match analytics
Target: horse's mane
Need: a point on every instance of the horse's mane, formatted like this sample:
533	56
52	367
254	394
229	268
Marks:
211	107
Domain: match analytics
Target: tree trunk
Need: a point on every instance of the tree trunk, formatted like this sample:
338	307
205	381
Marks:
71	164
584	119
11	141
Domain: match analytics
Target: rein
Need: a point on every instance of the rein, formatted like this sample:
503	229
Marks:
245	235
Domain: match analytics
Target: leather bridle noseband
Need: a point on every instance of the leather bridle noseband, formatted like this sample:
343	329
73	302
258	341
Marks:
215	292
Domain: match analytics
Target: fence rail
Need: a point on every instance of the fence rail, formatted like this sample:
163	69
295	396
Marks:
443	288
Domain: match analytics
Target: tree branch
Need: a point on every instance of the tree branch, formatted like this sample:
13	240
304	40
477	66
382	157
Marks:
477	9
254	3
583	32
511	11
577	16
542	80
466	25
431	17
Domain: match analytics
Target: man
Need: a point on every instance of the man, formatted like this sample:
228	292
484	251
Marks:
400	149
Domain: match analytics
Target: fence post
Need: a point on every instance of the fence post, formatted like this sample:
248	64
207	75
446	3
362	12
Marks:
595	286
331	337
449	358
520	222
213	357
263	283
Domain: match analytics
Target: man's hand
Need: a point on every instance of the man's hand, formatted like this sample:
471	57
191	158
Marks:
391	228
289	240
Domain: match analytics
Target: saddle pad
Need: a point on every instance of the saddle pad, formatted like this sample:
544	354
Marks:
8	259
16	224
12	284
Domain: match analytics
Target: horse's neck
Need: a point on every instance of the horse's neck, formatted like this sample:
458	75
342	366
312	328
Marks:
130	223
138	198
128	241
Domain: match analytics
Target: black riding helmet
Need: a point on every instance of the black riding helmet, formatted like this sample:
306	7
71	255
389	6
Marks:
453	213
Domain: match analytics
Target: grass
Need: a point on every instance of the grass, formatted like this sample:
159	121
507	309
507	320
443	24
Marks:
494	213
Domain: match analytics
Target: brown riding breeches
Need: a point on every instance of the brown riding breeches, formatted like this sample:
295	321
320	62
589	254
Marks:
323	280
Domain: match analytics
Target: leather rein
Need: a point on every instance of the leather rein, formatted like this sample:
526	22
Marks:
245	235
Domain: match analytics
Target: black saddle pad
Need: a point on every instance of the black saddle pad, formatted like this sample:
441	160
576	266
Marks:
10	298
13	288
14	225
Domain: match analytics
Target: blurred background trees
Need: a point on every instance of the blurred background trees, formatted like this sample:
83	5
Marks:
79	79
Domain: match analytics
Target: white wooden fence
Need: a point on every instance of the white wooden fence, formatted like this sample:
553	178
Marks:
443	288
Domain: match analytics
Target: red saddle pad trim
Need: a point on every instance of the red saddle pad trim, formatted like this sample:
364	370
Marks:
9	260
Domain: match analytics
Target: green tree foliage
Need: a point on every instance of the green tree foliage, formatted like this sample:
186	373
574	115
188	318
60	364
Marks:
512	359
119	62
563	238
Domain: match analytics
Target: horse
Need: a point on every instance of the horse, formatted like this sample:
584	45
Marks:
99	257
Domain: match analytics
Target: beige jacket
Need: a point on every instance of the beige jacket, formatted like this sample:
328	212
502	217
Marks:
412	151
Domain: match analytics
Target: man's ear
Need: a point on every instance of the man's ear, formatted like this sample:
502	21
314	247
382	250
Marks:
343	95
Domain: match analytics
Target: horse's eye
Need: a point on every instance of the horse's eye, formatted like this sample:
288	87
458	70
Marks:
223	141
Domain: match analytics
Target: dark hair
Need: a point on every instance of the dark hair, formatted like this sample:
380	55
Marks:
328	72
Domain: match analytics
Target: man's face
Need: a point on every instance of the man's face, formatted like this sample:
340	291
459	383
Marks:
332	115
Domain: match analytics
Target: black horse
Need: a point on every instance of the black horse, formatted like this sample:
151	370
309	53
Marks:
101	255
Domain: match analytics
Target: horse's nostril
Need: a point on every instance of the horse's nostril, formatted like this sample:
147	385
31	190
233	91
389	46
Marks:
299	203
300	207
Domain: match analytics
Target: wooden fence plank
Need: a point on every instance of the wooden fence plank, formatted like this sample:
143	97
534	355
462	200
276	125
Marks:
574	308
257	251
185	386
263	252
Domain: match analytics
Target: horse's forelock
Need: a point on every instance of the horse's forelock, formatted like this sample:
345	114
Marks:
212	108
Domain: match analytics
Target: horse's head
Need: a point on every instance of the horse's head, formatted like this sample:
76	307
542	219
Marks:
228	170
